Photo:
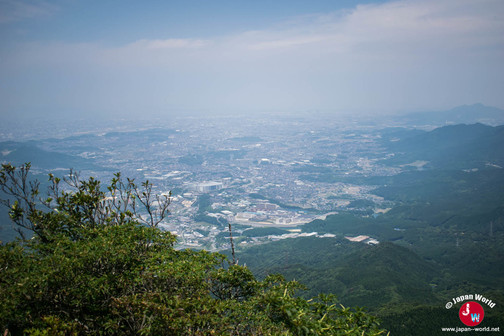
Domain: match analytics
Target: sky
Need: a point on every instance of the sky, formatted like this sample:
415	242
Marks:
154	58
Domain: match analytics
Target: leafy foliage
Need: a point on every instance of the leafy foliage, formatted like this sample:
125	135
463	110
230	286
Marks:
94	268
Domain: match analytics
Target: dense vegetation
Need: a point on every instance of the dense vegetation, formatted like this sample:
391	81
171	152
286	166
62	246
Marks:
95	265
444	236
98	265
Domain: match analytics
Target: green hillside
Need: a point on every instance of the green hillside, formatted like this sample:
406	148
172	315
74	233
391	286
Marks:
18	153
443	237
452	147
355	272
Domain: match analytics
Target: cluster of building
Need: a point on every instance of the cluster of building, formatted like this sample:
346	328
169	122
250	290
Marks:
256	172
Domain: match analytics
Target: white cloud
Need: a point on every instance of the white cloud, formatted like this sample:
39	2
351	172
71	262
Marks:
288	42
396	55
396	29
170	44
397	26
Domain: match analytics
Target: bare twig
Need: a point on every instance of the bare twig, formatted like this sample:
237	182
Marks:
81	200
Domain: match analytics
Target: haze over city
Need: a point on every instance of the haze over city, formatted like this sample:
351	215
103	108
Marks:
163	58
195	167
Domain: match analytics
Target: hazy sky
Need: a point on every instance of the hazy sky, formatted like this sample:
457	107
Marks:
153	57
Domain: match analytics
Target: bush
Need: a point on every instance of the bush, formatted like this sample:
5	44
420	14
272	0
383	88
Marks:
94	269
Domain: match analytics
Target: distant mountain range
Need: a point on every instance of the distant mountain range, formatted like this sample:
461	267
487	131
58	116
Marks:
18	153
465	114
152	134
450	147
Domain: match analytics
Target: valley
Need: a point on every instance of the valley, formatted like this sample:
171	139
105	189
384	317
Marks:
385	215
